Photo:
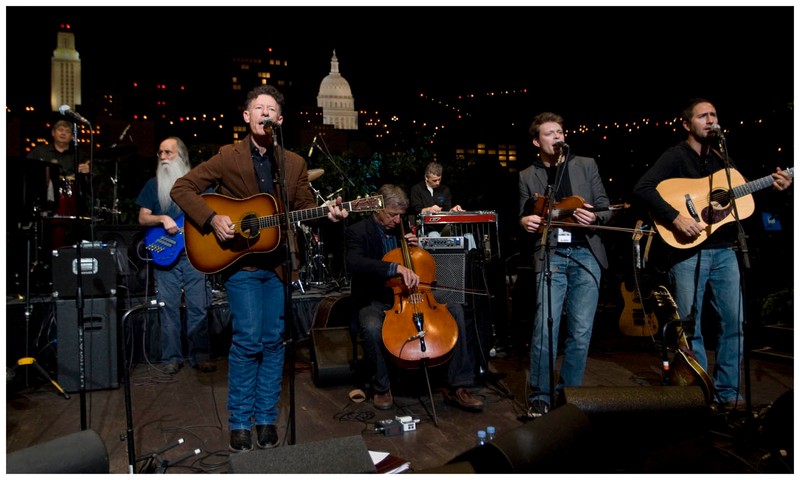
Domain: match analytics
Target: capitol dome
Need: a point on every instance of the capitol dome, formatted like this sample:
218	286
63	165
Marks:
336	100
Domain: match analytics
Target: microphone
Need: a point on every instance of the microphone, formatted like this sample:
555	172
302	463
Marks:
268	122
561	144
122	137
67	111
716	129
311	150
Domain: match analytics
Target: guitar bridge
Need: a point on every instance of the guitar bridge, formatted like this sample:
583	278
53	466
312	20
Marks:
691	209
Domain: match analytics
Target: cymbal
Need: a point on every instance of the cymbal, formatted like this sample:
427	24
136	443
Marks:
116	151
315	173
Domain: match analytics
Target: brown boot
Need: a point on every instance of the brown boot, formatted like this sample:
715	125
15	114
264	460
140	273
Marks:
383	401
461	398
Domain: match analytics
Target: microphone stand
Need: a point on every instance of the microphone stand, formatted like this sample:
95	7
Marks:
745	258
550	194
550	201
342	175
78	280
288	312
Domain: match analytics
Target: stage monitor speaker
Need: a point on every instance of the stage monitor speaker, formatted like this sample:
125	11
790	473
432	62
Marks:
337	455
550	444
79	452
99	325
451	268
333	362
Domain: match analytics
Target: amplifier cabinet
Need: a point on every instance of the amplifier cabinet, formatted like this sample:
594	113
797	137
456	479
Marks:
451	273
98	272
99	326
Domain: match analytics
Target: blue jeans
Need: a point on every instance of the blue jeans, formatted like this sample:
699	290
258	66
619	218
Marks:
197	297
717	269
255	360
575	280
460	371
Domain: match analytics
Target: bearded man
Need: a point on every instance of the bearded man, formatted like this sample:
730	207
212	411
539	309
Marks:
179	279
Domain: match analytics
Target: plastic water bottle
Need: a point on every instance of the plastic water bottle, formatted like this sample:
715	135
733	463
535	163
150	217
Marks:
490	431
481	437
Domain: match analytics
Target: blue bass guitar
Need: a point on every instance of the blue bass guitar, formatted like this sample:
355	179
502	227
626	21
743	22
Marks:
165	248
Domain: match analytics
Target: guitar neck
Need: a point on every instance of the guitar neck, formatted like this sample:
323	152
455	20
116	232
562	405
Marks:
756	185
300	215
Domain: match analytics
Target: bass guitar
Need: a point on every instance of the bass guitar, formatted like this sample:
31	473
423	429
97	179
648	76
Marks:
684	370
709	202
163	247
256	225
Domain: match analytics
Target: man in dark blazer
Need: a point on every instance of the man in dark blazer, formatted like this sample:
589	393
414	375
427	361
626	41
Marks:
572	256
367	243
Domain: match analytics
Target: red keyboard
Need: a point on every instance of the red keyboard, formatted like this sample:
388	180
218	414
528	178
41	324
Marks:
459	217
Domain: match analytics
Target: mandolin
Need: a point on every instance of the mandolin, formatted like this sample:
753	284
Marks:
684	370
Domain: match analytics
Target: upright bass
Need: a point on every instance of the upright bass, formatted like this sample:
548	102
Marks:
417	330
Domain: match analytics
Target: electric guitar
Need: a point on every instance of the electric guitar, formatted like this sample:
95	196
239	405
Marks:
684	370
714	208
256	225
163	247
634	321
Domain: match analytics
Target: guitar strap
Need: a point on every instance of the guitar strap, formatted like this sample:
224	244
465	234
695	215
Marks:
647	245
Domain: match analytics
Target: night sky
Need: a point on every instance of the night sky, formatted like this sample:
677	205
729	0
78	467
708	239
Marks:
595	61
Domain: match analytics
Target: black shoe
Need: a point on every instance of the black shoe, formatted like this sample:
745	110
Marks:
172	368
266	436
206	367
240	441
537	408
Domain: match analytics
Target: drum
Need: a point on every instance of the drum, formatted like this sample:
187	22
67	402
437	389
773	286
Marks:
67	204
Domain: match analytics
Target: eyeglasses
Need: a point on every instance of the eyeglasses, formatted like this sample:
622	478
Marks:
168	153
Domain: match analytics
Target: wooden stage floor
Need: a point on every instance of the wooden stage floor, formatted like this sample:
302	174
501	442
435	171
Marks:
192	406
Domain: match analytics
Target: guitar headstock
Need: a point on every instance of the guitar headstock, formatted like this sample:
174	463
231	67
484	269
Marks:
367	204
665	302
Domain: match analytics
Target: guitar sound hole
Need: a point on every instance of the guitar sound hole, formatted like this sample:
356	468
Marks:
250	226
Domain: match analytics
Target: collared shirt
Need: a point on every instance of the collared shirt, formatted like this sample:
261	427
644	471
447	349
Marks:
263	168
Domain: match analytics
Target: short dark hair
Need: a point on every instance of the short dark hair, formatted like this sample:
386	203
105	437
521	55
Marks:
542	118
689	110
265	90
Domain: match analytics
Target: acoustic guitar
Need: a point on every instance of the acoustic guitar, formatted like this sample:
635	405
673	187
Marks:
256	227
709	202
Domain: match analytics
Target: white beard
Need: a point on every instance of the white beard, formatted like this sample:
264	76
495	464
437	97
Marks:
166	174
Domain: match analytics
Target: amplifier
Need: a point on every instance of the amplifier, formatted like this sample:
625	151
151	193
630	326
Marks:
98	271
442	243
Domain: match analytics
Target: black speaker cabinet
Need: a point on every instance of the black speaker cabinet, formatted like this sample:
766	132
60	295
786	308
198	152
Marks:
99	326
333	362
98	272
451	266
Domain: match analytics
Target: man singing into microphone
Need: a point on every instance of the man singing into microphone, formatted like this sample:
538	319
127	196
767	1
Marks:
255	283
573	255
711	264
